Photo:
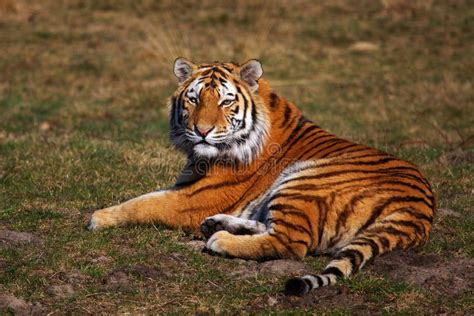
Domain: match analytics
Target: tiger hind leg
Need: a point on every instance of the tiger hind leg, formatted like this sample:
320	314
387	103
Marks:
351	258
232	224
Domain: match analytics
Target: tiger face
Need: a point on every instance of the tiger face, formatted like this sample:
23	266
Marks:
216	111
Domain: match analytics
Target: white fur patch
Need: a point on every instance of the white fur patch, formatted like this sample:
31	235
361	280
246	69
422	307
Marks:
203	150
229	222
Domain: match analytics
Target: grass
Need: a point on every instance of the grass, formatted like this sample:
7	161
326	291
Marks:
83	89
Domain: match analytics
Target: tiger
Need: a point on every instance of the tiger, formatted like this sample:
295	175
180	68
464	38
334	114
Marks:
263	182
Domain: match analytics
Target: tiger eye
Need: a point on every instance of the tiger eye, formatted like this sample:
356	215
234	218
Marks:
227	102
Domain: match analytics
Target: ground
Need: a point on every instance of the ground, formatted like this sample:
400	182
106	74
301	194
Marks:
83	89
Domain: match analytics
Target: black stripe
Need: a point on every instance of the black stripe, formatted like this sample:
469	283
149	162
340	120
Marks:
308	187
319	280
219	71
333	270
187	183
286	115
273	100
286	245
334	143
349	210
291	240
294	196
360	163
416	227
254	113
390	230
381	207
291	138
378	188
179	108
346	156
206	73
342	172
415	214
383	240
401	183
308	283
288	210
226	68
355	256
339	150
293	119
246	105
236	110
363	241
285	211
323	211
362	149
310	144
292	226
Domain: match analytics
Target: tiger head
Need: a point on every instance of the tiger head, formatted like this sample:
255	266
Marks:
217	112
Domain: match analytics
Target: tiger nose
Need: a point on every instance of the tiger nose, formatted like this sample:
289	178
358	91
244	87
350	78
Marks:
203	131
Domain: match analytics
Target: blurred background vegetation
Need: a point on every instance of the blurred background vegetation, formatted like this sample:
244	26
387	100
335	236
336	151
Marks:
83	90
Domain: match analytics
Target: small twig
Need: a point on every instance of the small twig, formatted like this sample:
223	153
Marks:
216	285
94	294
166	303
88	311
411	142
440	132
467	142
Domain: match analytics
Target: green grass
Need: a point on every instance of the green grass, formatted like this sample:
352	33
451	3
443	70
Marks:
84	125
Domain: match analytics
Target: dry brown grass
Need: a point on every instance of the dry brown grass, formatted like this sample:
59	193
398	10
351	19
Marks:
8	6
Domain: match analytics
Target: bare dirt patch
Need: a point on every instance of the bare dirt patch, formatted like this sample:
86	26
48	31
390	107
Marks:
63	290
146	272
457	156
331	297
19	306
428	271
125	279
195	245
11	238
283	268
118	280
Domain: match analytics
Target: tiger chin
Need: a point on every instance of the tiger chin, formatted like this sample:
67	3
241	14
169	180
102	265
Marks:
263	182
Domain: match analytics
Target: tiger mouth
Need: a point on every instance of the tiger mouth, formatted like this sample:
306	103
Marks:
203	142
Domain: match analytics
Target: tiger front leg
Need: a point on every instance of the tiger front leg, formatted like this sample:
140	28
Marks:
162	207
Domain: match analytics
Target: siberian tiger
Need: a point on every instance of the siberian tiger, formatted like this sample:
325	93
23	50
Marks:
263	182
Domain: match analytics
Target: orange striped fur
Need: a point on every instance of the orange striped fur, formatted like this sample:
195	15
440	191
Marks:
263	182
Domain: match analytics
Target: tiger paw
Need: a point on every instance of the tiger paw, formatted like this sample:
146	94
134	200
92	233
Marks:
103	218
220	243
212	225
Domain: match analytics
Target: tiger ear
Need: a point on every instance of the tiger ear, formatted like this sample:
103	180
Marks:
183	69
250	72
